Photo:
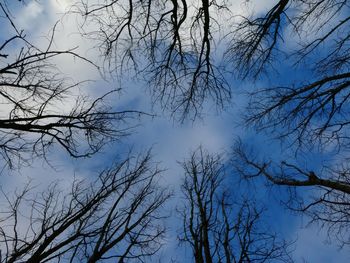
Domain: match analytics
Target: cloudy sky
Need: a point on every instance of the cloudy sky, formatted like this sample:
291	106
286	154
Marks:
171	141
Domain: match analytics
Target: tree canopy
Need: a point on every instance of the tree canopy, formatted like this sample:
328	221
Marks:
292	57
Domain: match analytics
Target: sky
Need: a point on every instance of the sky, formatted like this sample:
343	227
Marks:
171	141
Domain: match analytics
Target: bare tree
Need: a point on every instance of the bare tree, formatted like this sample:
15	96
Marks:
170	42
174	42
35	98
218	226
327	201
118	217
307	107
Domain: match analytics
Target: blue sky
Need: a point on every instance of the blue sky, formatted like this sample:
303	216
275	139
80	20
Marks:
171	141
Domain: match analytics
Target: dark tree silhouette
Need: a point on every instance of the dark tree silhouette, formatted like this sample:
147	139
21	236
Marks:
118	217
308	112
35	98
312	106
173	44
327	200
217	225
170	42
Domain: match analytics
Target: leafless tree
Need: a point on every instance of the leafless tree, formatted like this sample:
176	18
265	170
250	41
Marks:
174	42
218	226
324	195
170	42
118	217
307	107
35	98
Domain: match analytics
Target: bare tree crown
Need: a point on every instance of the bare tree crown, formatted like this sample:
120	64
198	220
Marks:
40	107
118	216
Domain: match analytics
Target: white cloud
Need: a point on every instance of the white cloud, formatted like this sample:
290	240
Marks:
28	16
61	5
171	142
